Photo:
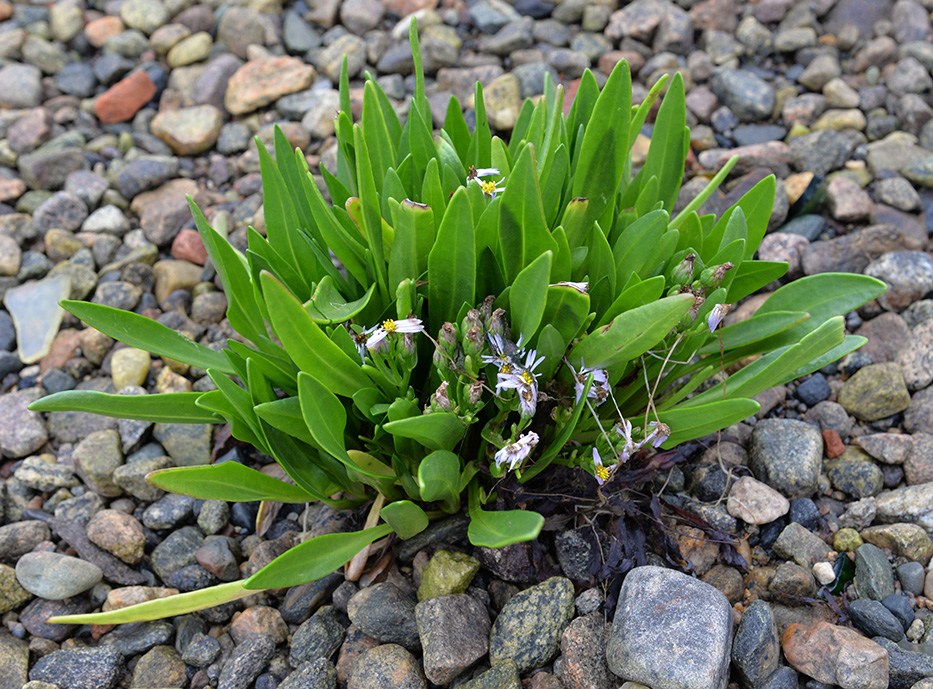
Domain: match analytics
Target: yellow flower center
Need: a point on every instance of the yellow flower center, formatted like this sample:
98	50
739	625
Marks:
505	367
389	326
527	378
602	473
488	187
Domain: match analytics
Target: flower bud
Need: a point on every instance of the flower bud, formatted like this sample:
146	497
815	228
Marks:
472	320
498	325
407	351
439	400
485	309
473	342
683	272
712	277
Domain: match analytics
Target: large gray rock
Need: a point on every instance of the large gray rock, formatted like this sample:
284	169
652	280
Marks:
660	610
787	455
746	94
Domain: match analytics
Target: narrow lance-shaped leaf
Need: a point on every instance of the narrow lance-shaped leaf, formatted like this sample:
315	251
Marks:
229	481
174	407
528	296
452	263
145	333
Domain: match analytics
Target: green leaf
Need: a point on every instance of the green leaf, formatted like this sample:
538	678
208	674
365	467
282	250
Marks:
666	154
752	276
567	310
280	215
179	604
382	145
145	333
639	293
456	127
230	481
174	407
523	231
479	152
243	310
405	518
324	416
372	216
504	527
635	241
439	477
431	192
327	305
695	422
436	431
452	263
822	296
631	333
604	149
314	559
285	415
704	195
308	345
529	295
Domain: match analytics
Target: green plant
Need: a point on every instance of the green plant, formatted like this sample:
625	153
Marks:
494	308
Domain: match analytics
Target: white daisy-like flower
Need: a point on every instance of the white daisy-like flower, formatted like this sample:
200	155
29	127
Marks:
490	188
599	390
601	473
624	428
485	171
498	356
381	332
657	434
716	315
516	452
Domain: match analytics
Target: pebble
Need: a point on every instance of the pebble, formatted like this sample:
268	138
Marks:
260	82
875	392
787	456
874	577
387	667
836	655
755	503
454	632
528	628
906	668
447	573
118	533
385	613
95	459
54	576
756	649
659	607
161	666
138	637
908	274
80	668
874	619
801	546
37	316
188	131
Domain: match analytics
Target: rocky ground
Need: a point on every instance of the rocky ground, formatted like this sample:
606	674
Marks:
113	110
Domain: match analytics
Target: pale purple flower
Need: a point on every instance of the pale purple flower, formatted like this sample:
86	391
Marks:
716	315
516	452
601	473
381	332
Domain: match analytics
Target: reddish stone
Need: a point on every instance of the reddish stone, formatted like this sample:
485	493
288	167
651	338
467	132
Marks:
6	11
63	348
124	99
832	443
836	655
189	247
11	189
99	30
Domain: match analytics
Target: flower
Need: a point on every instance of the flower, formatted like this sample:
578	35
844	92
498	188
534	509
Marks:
521	377
601	473
716	315
516	452
498	356
657	435
624	428
482	172
359	339
381	332
599	390
490	188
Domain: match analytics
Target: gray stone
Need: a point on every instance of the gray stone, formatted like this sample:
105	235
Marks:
54	576
874	577
37	316
80	668
908	274
905	668
318	638
787	455
315	674
22	432
528	628
874	619
20	86
19	538
138	637
744	93
756	651
858	478
385	613
454	632
801	546
387	667
176	551
660	609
